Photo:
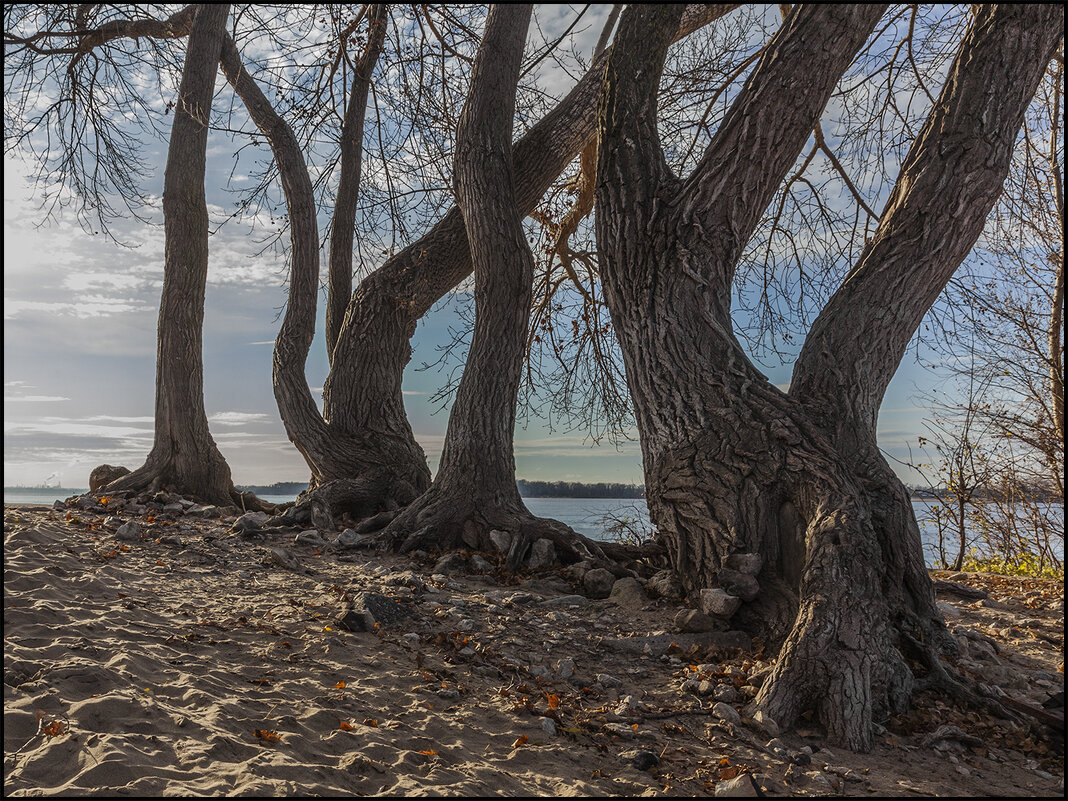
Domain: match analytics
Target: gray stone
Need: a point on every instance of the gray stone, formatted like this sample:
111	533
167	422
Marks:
470	534
129	531
628	593
728	694
542	555
741	786
747	563
112	522
726	712
640	758
283	558
348	539
104	474
766	724
450	563
565	669
549	726
369	608
948	610
310	537
608	681
665	584
744	586
481	564
598	583
250	521
694	620
502	540
174	508
719	602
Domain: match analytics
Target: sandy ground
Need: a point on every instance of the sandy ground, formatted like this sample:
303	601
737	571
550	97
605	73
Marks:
192	662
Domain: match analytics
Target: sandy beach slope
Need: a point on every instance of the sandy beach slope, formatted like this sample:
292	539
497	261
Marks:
194	661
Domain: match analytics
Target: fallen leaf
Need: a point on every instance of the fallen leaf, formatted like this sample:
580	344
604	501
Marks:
339	686
266	735
521	740
554	700
370	722
429	752
344	725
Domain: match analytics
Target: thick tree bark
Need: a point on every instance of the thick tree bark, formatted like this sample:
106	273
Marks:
184	457
475	490
362	398
732	464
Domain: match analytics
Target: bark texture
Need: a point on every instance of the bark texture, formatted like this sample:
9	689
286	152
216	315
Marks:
732	464
184	457
475	490
339	286
362	399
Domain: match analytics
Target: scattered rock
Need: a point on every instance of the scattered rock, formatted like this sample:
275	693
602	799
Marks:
694	620
608	681
565	669
549	725
283	558
640	758
310	537
665	584
727	693
748	563
948	610
628	593
250	522
766	724
502	540
726	712
129	531
658	644
741	786
598	583
719	602
370	608
450	563
481	564
740	584
104	474
542	555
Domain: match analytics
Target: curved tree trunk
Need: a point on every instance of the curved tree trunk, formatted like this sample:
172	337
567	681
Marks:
733	465
362	400
339	286
475	489
184	457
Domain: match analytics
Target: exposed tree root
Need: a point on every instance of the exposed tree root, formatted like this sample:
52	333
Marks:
362	499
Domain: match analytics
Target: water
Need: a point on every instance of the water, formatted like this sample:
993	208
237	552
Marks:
587	516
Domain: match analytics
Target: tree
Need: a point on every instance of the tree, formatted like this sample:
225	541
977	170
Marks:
732	464
184	457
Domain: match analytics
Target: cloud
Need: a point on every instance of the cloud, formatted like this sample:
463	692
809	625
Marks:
34	398
237	418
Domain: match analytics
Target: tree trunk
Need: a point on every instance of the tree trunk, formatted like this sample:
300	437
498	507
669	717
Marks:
732	464
362	400
184	457
339	286
475	489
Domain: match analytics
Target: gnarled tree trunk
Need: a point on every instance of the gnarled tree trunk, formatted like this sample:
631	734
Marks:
362	400
475	490
732	464
184	457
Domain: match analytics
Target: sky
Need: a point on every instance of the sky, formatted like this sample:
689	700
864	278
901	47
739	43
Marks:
80	343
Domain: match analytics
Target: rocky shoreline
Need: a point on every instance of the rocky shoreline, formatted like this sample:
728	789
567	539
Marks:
178	649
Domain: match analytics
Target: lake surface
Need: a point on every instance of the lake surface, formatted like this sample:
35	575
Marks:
589	516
